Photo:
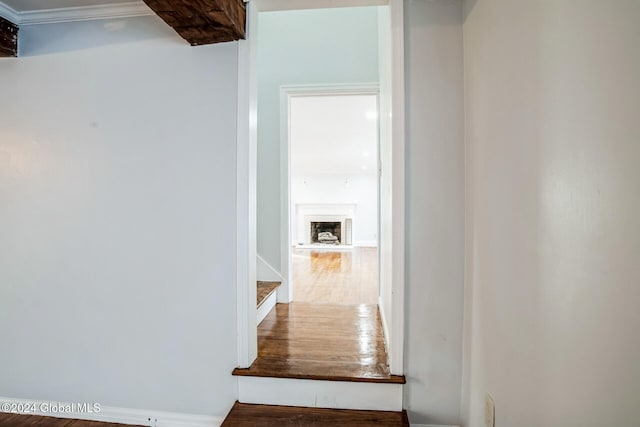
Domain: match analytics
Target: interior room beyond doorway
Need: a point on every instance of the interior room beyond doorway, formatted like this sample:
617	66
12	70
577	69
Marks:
334	198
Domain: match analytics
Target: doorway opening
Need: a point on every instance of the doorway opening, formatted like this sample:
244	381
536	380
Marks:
265	222
334	195
327	137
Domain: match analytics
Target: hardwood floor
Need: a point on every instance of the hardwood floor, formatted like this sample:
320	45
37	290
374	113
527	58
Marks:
19	420
322	341
245	415
265	289
332	330
335	277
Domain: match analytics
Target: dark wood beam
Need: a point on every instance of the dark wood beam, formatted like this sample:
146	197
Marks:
8	38
203	21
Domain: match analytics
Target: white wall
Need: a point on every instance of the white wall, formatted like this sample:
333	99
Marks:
361	190
553	131
325	46
117	218
385	183
434	211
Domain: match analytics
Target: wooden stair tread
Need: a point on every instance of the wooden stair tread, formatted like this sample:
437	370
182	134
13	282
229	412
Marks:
248	415
322	342
265	289
248	372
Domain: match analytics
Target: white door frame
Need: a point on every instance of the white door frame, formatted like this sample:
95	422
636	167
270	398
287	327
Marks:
286	93
247	173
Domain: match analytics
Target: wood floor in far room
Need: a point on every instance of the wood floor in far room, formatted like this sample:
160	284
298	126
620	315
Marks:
348	276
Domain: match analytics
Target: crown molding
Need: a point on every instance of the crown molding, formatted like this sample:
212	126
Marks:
71	14
9	13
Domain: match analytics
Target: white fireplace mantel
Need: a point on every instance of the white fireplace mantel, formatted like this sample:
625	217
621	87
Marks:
313	212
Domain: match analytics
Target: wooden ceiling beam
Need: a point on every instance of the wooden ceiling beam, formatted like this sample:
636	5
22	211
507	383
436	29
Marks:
8	38
203	21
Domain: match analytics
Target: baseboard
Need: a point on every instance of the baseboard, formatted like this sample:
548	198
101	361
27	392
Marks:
265	272
365	243
325	247
109	414
383	320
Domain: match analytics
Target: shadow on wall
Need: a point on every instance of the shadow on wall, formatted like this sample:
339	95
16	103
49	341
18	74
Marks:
72	36
468	7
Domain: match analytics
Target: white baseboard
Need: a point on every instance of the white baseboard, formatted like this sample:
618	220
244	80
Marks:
356	244
383	320
365	243
320	394
325	247
265	272
109	414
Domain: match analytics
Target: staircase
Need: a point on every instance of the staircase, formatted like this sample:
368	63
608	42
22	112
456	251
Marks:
317	365
266	296
245	415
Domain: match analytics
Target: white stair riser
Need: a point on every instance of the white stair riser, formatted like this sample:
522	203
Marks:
320	394
266	307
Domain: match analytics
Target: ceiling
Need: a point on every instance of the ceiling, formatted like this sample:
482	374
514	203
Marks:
334	134
29	5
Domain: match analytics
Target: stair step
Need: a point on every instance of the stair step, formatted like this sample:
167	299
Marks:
264	290
320	393
266	298
247	415
322	342
248	372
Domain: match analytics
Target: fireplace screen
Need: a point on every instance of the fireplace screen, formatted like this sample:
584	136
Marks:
326	232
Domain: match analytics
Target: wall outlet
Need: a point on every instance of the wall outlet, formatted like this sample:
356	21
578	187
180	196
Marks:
489	411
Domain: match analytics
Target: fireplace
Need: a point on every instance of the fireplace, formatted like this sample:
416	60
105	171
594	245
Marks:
323	215
326	232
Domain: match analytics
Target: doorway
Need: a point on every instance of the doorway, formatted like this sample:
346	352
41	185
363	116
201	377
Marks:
391	233
334	195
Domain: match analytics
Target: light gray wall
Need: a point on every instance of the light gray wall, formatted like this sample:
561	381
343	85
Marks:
117	236
434	211
327	46
553	134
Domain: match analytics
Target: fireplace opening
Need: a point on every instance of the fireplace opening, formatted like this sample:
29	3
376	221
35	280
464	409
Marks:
328	233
